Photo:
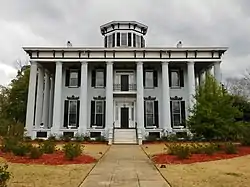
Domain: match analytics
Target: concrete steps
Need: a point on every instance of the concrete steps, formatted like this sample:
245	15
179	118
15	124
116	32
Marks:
125	136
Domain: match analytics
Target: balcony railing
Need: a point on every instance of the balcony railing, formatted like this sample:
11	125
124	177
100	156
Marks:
124	88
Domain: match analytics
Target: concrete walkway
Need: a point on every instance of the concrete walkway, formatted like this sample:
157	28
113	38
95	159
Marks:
124	166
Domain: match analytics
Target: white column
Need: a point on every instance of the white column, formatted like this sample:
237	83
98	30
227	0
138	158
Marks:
84	99
39	97
109	96
31	99
57	100
217	71
191	83
51	100
45	119
140	95
166	113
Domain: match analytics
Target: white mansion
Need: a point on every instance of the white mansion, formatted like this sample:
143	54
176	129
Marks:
123	91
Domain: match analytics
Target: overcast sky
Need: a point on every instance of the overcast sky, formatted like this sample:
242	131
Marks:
195	22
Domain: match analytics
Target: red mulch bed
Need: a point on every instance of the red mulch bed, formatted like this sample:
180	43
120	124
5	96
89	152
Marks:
172	159
56	158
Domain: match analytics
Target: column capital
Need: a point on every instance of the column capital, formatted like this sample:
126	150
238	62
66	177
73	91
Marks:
58	63
84	62
139	63
109	62
165	62
33	62
190	62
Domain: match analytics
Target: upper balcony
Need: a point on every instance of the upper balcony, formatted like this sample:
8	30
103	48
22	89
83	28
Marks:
124	82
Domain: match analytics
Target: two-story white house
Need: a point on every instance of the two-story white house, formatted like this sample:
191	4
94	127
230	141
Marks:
123	91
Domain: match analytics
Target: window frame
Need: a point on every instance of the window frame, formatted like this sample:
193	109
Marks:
73	71
124	34
151	114
101	113
179	78
103	72
146	86
110	42
175	113
69	113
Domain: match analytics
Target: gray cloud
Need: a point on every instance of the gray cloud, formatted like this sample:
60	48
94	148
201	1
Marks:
195	22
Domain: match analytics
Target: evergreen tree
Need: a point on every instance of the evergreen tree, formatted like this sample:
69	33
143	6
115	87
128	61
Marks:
213	114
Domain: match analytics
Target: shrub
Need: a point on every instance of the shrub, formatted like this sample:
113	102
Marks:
230	148
183	152
27	139
4	175
52	138
8	144
35	153
100	139
209	149
48	147
21	149
72	150
196	148
82	138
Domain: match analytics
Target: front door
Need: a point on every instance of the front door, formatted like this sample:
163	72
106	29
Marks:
124	82
124	117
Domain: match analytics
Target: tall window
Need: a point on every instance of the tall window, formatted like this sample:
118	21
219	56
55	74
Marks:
176	113
99	112
175	78
73	78
150	120
72	113
138	41
110	41
99	78
149	79
124	39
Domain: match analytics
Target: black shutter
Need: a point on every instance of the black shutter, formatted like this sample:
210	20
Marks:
118	39
144	78
171	112
67	77
145	114
106	42
93	78
66	112
134	40
92	122
155	78
183	113
142	42
129	39
156	113
78	113
170	78
105	75
113	40
181	78
79	77
104	114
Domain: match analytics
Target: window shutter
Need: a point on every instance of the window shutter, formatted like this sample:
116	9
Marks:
67	77
118	39
145	114
104	114
113	40
156	110
142	42
170	78
181	78
79	77
106	42
78	112
155	78
92	122
105	77
183	113
129	39
144	78
66	113
134	40
93	78
171	113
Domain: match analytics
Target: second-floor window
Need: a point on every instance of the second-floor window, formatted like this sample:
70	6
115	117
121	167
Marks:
149	79
99	78
175	78
73	78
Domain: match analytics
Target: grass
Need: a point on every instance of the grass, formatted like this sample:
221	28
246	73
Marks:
221	173
24	175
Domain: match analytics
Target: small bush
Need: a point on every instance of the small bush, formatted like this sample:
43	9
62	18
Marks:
196	148
245	141
27	139
35	153
209	149
183	152
48	147
72	150
8	144
4	175
230	148
21	149
82	138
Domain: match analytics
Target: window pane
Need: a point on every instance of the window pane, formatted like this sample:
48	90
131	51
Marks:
132	113
99	119
138	41
176	107
73	79
150	120
72	112
149	78
109	40
175	78
124	39
99	107
149	107
99	78
176	119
